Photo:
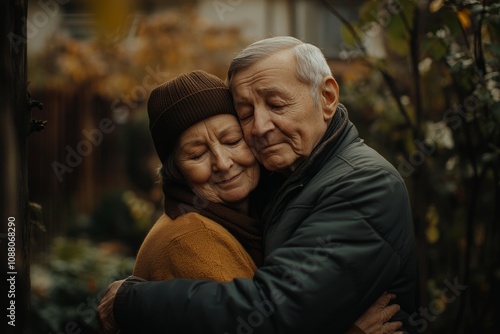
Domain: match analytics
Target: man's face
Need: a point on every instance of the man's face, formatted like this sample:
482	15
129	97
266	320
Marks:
280	122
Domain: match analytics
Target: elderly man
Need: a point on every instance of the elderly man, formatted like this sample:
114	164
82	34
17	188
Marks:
337	234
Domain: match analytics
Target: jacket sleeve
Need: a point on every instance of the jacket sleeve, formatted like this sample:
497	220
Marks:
333	266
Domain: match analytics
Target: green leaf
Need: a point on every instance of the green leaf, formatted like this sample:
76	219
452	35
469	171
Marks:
397	45
493	48
469	2
449	19
369	10
494	9
408	10
347	36
476	9
434	48
397	36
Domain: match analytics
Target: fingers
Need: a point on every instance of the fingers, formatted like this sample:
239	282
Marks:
385	299
389	311
374	319
392	327
105	309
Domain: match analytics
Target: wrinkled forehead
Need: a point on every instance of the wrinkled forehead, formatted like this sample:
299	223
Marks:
281	61
210	128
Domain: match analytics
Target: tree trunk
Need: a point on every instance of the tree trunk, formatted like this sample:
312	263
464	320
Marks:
14	127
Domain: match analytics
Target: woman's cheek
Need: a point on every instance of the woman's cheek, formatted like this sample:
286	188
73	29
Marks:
246	156
198	172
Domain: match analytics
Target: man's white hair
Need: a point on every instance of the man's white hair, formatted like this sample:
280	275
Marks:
311	63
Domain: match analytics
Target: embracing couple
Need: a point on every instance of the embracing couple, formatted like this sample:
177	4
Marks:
278	218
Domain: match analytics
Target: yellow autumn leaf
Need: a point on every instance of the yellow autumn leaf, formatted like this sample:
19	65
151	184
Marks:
111	15
432	234
441	302
435	5
432	216
464	18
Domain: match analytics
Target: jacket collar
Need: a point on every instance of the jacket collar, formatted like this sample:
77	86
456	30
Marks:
331	143
338	135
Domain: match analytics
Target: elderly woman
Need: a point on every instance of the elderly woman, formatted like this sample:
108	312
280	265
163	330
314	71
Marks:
210	228
208	173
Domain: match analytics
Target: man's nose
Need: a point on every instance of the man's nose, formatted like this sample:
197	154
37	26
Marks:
262	122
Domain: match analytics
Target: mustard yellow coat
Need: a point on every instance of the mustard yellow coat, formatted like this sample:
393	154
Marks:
191	246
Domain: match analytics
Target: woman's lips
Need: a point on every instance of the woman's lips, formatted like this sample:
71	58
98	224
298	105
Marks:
228	180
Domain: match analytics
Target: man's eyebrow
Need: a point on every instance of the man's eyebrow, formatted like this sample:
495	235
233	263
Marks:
271	91
264	92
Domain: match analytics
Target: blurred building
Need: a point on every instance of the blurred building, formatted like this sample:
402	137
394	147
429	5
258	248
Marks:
309	21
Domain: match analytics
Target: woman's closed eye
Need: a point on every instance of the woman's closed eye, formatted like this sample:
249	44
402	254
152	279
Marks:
196	155
232	141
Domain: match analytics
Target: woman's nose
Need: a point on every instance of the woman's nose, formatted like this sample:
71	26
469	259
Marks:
221	161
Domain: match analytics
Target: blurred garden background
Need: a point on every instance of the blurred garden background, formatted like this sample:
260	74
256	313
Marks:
421	80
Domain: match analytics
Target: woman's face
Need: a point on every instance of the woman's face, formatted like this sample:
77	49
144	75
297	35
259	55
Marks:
215	160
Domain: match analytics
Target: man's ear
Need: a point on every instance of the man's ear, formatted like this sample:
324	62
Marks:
329	95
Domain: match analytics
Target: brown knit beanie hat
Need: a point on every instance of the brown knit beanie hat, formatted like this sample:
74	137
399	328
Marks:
177	104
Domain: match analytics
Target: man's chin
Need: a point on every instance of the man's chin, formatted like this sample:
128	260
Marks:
276	164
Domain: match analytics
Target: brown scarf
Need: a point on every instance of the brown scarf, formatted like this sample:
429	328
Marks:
180	200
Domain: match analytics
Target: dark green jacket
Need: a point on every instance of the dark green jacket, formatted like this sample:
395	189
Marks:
338	234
